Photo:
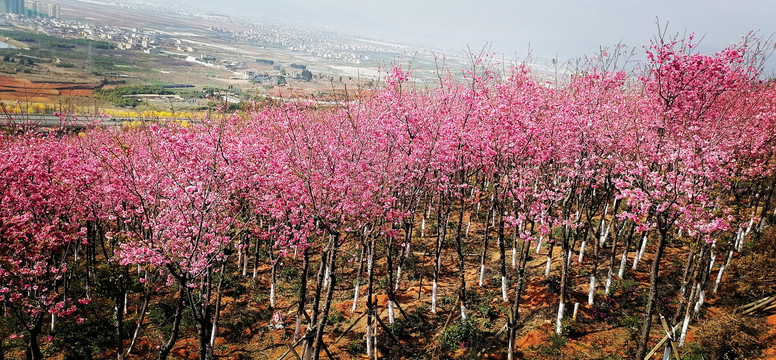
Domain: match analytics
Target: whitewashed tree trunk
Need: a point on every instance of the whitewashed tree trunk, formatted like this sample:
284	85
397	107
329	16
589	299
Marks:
721	270
685	325
482	273
559	320
297	326
539	244
581	251
604	231
355	298
463	312
374	345
368	341
326	276
547	267
591	290
510	349
701	299
623	262
272	294
643	247
398	278
504	288
605	235
391	317
245	264
739	240
666	353
711	259
514	246
640	253
434	297
608	285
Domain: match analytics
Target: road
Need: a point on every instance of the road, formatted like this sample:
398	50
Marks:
51	121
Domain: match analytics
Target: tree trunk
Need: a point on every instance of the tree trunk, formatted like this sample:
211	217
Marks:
120	308
652	291
370	304
441	234
333	246
461	260
485	241
502	254
310	333
358	277
144	309
205	327
562	296
164	349
624	260
33	343
514	314
302	293
217	312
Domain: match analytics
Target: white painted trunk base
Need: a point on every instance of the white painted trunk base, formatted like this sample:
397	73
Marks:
504	288
539	244
559	320
326	276
591	290
272	295
434	297
355	299
368	341
623	262
576	310
643	247
391	317
547	267
701	299
721	270
685	325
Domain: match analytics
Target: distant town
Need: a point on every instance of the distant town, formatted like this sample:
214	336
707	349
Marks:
223	43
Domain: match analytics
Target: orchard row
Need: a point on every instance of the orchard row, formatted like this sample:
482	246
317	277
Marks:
604	164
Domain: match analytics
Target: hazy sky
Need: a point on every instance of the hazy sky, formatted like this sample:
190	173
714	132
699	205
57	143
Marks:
570	28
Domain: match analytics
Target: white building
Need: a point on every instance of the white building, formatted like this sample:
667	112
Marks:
54	11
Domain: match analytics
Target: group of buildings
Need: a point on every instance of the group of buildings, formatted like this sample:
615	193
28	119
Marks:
31	8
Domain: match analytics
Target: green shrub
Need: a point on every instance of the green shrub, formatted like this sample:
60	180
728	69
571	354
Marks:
557	342
462	334
693	351
553	284
356	347
83	341
335	316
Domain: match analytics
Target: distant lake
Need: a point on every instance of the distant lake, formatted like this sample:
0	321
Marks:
4	45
